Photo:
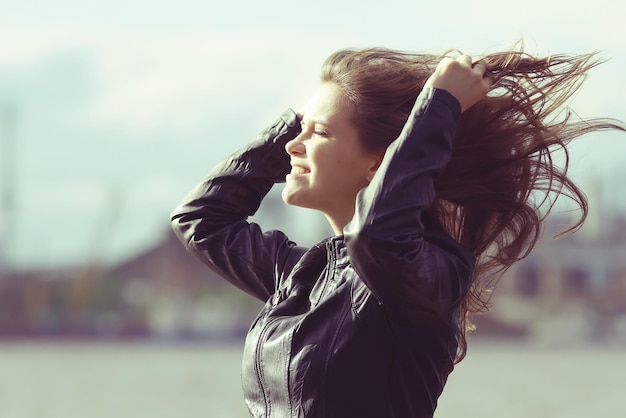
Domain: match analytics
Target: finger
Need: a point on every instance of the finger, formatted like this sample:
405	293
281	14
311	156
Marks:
480	66
489	77
446	60
465	59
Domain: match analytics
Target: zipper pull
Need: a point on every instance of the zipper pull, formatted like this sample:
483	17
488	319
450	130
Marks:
329	251
276	298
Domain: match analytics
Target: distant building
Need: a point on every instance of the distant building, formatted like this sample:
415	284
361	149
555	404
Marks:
569	288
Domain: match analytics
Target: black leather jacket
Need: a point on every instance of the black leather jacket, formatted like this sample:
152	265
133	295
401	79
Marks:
360	325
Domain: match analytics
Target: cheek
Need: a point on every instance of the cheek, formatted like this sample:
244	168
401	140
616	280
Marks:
346	177
339	169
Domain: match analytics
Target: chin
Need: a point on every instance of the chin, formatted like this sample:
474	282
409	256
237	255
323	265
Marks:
289	197
293	198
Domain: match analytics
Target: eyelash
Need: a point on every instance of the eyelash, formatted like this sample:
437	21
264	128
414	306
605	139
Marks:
323	134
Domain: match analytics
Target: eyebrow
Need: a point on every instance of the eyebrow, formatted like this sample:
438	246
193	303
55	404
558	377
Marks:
314	121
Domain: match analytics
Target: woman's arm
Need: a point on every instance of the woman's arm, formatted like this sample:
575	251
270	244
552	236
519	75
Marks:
412	271
211	220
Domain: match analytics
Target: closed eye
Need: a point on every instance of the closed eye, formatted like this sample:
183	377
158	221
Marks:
316	131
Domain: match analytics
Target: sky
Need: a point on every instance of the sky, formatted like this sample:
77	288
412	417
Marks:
121	107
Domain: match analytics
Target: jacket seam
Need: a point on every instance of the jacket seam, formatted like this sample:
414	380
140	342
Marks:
331	348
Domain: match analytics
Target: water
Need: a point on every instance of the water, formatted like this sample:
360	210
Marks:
85	380
525	381
119	381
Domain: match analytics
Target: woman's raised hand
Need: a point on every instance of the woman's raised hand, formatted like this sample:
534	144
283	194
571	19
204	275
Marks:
468	82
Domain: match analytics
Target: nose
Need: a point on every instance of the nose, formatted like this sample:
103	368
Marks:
295	146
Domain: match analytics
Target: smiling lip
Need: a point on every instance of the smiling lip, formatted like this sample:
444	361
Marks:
298	171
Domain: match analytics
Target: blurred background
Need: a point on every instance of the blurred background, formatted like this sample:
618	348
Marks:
111	111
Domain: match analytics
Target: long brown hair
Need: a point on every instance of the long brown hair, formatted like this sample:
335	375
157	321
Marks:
501	181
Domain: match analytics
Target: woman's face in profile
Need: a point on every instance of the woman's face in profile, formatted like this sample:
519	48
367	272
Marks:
329	164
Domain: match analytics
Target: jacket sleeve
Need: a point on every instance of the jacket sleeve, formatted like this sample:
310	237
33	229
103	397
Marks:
211	220
411	270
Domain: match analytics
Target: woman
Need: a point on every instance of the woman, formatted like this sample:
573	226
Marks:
429	186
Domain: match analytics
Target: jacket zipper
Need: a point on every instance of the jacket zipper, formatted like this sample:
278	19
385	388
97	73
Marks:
329	270
265	329
258	355
329	275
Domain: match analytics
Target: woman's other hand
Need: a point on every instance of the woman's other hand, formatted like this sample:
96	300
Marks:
468	82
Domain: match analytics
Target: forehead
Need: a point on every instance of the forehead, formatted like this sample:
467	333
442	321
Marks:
327	105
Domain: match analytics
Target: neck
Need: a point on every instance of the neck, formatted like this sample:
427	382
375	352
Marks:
337	223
